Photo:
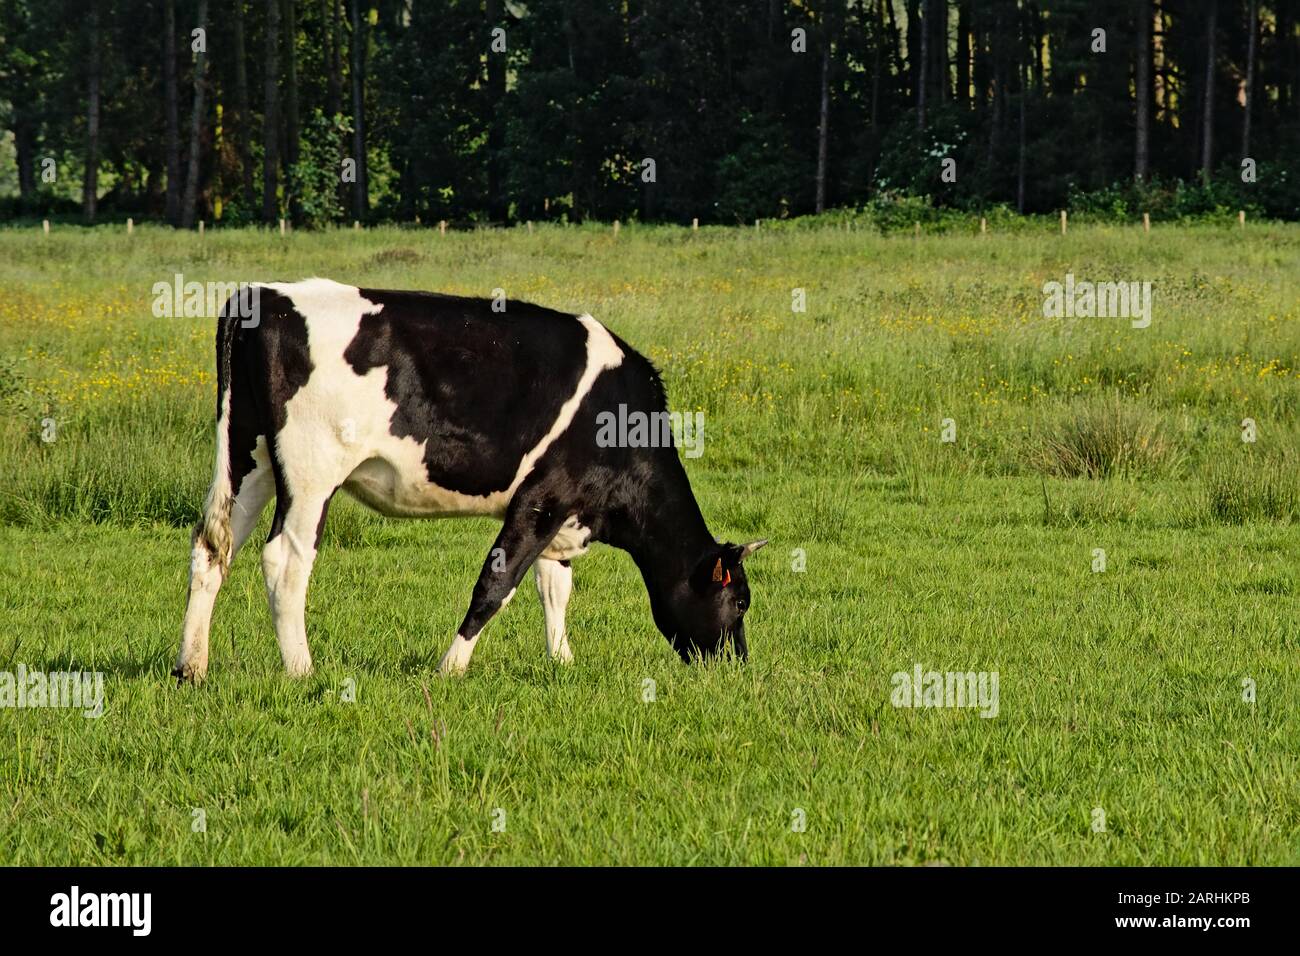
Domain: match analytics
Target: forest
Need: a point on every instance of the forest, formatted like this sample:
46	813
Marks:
500	111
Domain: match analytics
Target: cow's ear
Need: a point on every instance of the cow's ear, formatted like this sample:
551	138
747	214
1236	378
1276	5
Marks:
713	571
747	549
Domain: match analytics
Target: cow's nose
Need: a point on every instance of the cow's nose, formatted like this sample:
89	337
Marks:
742	649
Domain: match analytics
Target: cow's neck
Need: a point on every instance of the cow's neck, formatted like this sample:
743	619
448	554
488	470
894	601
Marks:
664	531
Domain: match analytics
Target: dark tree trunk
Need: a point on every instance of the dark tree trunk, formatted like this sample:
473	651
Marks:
496	86
896	40
196	128
823	119
361	188
980	59
25	156
243	109
912	12
1039	66
1207	121
155	187
963	52
922	28
1142	93
1252	24
1022	79
271	114
291	119
90	183
996	50
877	66
329	16
171	106
939	43
1285	27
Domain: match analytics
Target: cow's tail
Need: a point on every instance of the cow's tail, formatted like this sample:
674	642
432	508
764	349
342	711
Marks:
213	529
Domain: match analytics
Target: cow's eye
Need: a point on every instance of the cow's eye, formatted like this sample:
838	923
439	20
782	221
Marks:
742	603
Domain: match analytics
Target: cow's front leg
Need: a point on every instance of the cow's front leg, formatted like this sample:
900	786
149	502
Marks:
554	585
528	527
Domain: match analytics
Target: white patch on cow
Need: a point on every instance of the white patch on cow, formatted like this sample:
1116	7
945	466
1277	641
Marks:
602	353
571	541
456	660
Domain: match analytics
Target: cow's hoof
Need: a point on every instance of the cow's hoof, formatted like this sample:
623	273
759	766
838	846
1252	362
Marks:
456	661
451	668
189	673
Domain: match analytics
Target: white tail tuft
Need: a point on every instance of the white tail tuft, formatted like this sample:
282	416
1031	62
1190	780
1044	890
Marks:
214	528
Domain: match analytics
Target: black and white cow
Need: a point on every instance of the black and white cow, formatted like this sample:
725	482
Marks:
427	405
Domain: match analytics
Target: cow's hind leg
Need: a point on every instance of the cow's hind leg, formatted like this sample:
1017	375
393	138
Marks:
224	520
287	561
554	585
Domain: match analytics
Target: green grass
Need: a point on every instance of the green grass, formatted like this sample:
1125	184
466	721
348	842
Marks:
1120	690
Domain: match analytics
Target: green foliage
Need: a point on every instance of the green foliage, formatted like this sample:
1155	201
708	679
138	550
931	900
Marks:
314	181
1126	201
763	177
556	125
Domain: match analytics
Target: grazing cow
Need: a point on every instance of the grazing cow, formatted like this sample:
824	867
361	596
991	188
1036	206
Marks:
424	405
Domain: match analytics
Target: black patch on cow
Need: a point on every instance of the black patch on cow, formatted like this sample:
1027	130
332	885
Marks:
244	423
480	388
271	361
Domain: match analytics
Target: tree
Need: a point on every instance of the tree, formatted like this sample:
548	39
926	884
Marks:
1252	31
31	52
90	182
271	115
243	111
361	186
196	123
171	108
824	111
1207	123
922	27
291	97
496	90
1142	93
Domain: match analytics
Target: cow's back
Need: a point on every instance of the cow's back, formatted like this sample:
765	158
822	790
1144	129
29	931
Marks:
427	404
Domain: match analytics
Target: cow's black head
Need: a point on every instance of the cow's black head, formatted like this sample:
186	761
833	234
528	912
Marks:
706	613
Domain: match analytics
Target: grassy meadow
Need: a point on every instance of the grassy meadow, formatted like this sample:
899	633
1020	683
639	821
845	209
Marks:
1149	712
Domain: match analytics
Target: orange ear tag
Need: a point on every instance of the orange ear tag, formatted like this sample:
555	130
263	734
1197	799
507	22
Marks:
727	579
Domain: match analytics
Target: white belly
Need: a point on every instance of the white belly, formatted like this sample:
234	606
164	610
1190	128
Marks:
400	491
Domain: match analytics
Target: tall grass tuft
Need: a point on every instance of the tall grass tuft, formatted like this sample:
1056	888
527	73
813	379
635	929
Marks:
1107	436
1251	487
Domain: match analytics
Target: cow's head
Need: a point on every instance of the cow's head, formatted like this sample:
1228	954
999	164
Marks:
706	613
